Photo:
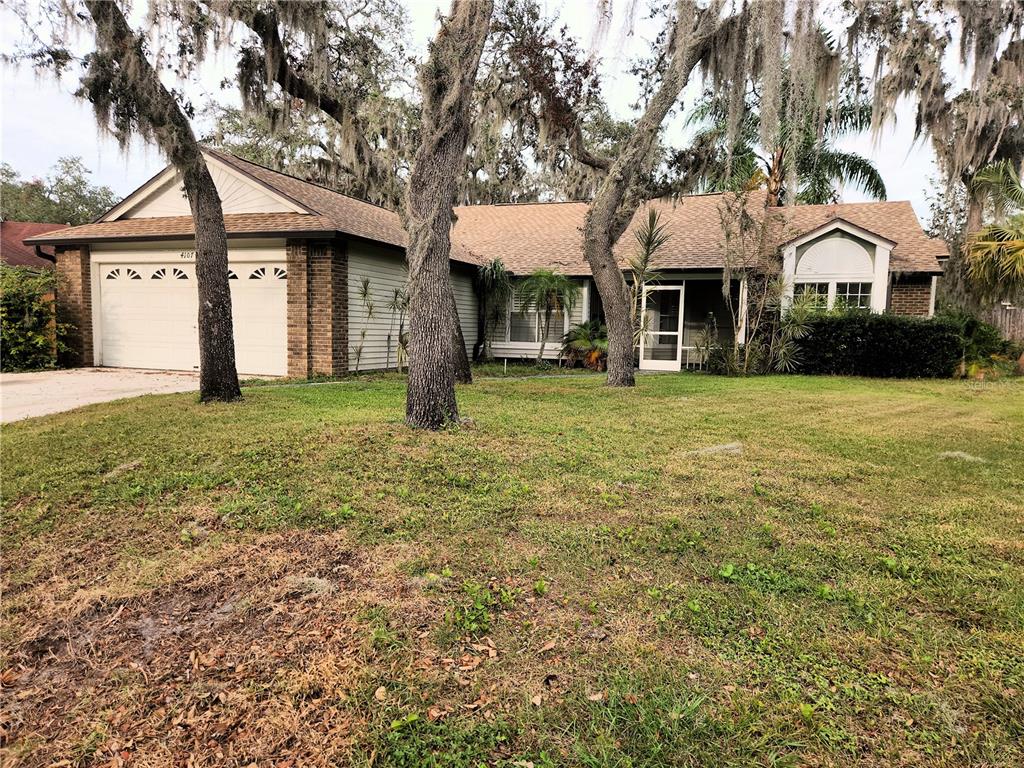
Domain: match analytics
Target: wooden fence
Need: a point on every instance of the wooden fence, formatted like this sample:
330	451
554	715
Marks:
1009	320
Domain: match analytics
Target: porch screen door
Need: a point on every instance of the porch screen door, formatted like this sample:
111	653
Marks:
661	339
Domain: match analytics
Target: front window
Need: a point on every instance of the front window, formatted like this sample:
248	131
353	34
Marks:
819	292
522	326
853	295
836	295
527	326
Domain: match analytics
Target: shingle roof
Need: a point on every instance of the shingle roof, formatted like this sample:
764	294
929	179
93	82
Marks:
167	227
15	253
330	212
914	250
351	215
530	236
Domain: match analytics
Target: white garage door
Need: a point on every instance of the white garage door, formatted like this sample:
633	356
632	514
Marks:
148	317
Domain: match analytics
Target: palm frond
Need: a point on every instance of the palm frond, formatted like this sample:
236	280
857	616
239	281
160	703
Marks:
832	166
1000	185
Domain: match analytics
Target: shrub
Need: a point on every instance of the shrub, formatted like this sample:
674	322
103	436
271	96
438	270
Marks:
981	341
889	346
30	337
587	343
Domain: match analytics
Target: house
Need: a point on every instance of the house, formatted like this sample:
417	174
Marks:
15	253
314	273
871	255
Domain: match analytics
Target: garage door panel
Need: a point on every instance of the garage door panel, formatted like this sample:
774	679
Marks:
148	317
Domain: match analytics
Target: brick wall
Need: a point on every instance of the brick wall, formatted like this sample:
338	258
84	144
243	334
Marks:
317	308
298	308
74	302
911	294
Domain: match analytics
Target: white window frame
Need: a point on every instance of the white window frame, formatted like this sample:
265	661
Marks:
832	292
537	314
880	274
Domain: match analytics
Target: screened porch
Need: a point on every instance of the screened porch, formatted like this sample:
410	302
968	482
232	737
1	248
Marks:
675	316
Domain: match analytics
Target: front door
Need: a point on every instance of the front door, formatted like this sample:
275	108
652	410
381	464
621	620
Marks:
662	328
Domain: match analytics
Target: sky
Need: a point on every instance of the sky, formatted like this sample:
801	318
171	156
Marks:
41	120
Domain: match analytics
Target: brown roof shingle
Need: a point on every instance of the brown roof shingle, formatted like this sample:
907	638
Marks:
352	216
13	250
530	236
330	212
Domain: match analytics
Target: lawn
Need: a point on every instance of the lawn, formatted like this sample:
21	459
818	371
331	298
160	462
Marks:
703	571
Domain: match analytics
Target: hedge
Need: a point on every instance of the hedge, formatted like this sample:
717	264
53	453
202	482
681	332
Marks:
888	346
29	336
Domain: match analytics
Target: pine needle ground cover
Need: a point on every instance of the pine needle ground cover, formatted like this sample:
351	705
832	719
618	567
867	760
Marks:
703	571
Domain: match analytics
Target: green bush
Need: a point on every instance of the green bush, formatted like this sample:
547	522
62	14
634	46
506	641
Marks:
981	341
29	335
888	346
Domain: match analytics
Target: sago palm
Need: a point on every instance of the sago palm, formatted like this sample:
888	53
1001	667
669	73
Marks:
587	342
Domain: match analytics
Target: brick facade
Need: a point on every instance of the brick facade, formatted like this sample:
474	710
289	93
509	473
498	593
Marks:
911	294
298	308
317	308
74	302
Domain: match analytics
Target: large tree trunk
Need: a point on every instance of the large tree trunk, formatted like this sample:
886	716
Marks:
447	80
975	208
612	209
157	112
218	378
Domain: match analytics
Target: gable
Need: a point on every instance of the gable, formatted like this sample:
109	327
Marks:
163	196
836	253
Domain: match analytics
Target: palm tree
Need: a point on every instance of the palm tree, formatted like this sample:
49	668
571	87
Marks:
494	288
650	239
798	151
995	253
548	293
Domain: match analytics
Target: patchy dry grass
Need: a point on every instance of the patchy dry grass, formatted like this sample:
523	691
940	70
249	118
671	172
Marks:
583	577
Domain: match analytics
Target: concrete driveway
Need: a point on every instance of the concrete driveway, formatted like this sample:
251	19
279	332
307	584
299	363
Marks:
36	394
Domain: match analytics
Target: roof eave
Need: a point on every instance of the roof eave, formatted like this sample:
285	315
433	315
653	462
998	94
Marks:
292	233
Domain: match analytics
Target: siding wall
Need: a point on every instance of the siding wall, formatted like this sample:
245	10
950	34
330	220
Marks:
502	348
370	319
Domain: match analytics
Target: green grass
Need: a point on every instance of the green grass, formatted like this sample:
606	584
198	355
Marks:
574	579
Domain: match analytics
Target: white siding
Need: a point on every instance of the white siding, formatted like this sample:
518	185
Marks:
371	321
465	302
501	347
238	194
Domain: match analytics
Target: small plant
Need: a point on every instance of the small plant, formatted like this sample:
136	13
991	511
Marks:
650	238
366	297
540	587
475	616
587	343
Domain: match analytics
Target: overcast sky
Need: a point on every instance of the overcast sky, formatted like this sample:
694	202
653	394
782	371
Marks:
40	119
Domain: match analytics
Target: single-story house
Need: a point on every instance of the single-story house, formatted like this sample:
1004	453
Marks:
315	272
15	253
